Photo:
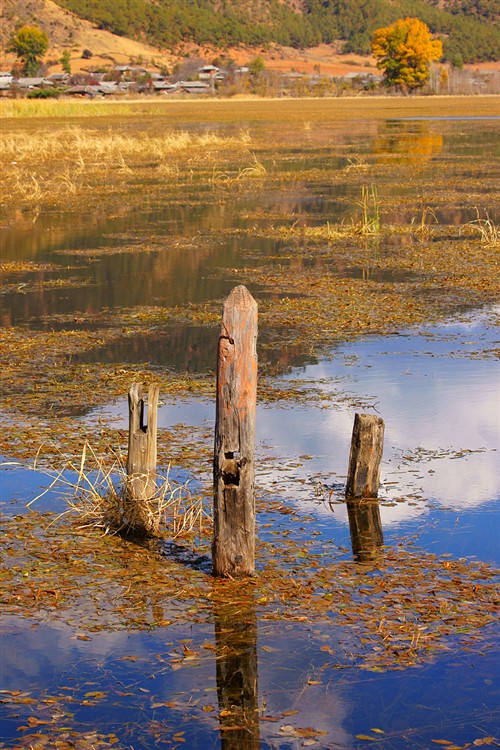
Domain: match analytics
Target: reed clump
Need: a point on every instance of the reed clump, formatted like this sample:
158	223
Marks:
95	491
487	229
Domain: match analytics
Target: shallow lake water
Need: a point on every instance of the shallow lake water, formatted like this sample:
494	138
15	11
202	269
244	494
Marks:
437	389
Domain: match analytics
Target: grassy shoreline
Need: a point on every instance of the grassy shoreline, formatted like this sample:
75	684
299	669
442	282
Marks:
227	110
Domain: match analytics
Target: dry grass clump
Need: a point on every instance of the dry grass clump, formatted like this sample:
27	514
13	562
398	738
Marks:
96	494
487	229
256	170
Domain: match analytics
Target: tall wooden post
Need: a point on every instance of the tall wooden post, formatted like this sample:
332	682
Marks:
142	459
233	548
363	476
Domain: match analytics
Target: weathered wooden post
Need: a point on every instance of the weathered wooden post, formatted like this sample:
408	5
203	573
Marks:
363	476
141	460
233	548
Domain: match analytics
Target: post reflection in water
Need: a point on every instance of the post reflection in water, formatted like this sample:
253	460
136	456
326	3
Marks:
236	663
365	526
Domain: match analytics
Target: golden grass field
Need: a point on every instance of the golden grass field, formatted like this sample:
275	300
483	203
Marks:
277	110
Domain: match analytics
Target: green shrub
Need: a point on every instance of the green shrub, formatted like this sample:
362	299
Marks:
43	94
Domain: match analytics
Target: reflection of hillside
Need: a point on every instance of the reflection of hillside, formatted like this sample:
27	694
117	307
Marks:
182	348
167	270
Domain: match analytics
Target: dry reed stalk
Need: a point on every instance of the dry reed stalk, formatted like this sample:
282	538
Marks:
422	229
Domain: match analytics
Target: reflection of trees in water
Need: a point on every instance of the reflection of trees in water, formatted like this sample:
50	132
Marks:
411	143
236	663
365	526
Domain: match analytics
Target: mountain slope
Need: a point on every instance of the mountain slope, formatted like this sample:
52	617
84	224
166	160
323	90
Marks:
470	29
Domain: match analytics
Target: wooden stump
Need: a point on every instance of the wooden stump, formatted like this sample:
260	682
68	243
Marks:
363	476
141	462
233	548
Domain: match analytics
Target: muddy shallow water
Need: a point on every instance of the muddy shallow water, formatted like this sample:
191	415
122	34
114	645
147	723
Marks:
238	670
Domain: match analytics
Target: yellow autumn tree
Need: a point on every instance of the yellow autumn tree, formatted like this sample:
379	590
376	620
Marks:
404	51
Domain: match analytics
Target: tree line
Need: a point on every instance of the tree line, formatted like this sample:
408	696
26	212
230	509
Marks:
469	28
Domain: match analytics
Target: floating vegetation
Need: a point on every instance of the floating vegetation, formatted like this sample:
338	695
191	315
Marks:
398	609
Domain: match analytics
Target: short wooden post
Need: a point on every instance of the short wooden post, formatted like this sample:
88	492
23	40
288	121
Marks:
233	548
142	459
363	476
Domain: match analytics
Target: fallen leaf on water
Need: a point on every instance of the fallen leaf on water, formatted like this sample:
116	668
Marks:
288	730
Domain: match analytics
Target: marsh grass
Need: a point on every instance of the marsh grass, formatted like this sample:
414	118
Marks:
255	170
64	162
94	490
255	109
369	224
356	164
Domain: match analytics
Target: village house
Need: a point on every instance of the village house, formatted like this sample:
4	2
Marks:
194	87
32	83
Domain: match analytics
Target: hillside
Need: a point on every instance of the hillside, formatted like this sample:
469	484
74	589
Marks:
289	34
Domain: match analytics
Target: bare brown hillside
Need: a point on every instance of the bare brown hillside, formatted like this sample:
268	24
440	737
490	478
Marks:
66	31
